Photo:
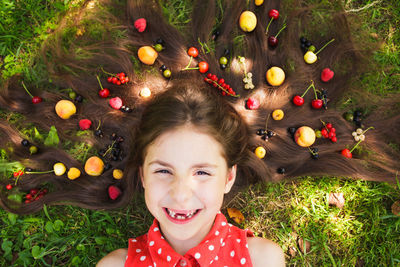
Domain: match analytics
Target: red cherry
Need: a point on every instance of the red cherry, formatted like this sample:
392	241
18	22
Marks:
203	67
9	187
193	52
298	100
104	93
346	153
317	103
273	13
272	41
36	100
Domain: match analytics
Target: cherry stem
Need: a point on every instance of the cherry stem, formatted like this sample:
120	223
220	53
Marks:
26	89
40	172
324	46
223	89
315	92
98	127
354	147
108	73
97	76
190	61
109	148
312	152
266	30
308	88
372	127
196	68
284	26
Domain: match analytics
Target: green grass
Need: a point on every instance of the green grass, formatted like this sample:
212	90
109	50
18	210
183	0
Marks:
363	233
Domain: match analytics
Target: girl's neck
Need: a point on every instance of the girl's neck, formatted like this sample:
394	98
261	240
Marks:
183	246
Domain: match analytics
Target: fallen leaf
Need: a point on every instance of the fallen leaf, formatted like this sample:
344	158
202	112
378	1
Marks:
304	245
336	199
292	251
235	215
396	208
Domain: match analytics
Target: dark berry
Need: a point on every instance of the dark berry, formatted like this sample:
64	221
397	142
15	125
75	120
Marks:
270	134
114	158
315	156
226	52
107	166
281	170
308	44
314	149
78	98
292	130
98	133
215	34
163	67
120	139
303	39
25	142
28	170
303	47
260	132
222	66
160	41
357	113
265	137
113	136
115	152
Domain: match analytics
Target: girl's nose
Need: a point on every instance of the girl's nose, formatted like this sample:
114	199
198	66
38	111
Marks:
181	190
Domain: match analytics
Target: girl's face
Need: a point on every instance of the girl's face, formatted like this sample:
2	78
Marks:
185	177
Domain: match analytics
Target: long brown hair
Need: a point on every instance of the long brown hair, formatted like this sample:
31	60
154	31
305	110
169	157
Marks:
75	64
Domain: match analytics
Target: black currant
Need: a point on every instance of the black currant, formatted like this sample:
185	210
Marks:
281	170
292	130
260	132
120	139
227	52
357	113
160	41
25	142
315	156
163	67
78	98
222	66
28	170
270	134
265	137
98	133
308	44
303	39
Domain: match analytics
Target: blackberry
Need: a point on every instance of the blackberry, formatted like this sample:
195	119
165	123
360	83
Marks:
25	143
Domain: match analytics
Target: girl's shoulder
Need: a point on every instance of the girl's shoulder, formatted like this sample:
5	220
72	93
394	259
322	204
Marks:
115	258
264	252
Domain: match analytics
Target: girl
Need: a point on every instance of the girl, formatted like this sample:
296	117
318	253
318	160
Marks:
189	147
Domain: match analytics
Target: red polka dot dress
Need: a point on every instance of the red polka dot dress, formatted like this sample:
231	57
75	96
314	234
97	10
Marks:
225	245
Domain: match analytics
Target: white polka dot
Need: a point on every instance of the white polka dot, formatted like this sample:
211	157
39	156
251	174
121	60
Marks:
247	246
207	241
223	223
232	253
134	240
211	261
138	250
197	255
223	244
238	240
229	236
155	264
142	258
221	240
216	258
126	258
242	261
151	243
162	237
216	233
168	258
159	251
211	247
230	225
155	229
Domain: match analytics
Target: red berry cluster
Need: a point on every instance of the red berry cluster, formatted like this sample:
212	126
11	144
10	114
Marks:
118	79
220	83
35	194
9	187
328	131
18	173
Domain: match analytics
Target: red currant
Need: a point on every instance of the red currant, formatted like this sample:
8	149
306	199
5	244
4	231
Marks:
193	52
9	187
328	125
109	79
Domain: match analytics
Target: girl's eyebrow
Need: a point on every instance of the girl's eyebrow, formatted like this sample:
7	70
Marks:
200	165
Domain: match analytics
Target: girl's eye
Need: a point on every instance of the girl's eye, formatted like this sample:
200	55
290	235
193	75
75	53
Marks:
163	171
202	173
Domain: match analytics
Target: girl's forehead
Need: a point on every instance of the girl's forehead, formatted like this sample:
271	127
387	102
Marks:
185	144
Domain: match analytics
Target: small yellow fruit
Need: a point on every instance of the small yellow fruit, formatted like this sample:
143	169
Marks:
73	173
118	174
310	57
258	2
65	109
94	166
248	21
260	152
147	55
59	168
278	114
145	92
275	76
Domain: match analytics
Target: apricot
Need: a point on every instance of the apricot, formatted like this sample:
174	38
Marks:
94	166
65	109
73	173
147	55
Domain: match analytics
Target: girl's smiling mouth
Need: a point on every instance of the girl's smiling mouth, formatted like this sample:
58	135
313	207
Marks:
181	216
